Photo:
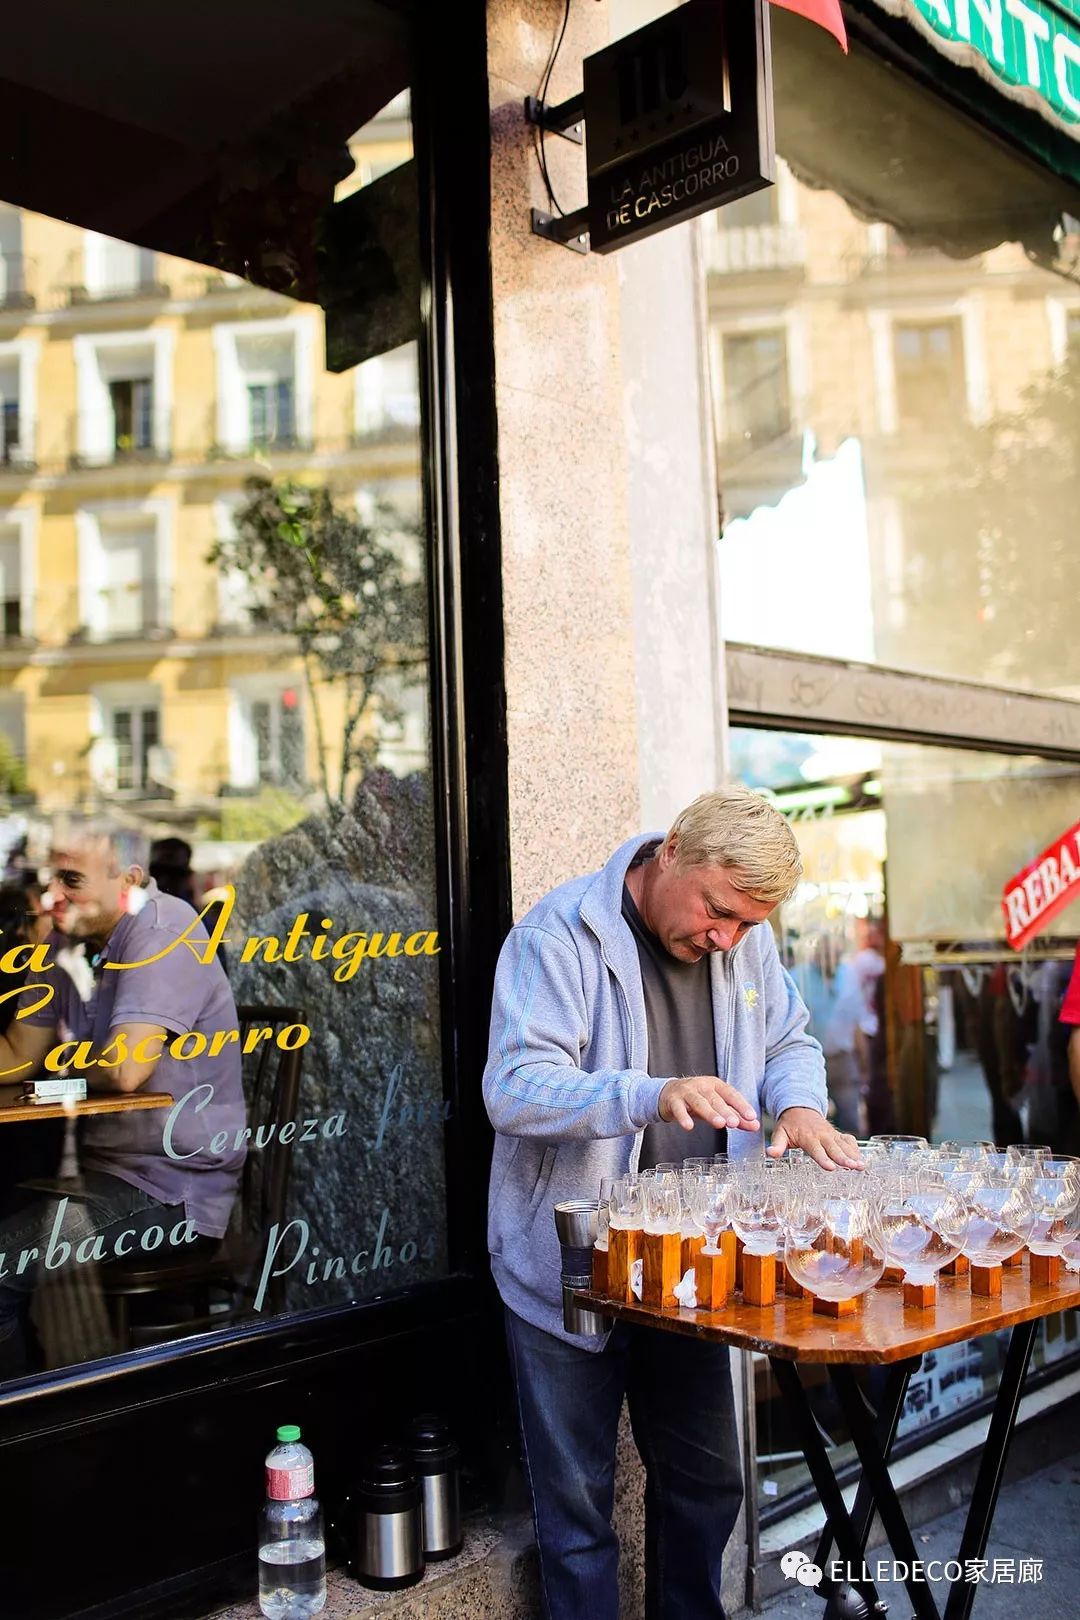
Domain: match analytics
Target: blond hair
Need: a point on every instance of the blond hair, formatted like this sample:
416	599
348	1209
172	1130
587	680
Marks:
737	829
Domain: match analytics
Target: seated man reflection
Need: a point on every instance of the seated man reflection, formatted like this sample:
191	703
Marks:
33	1150
108	915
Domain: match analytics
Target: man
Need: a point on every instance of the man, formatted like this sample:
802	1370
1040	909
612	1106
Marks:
638	1014
121	978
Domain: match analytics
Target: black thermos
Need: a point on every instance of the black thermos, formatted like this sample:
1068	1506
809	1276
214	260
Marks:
386	1525
435	1457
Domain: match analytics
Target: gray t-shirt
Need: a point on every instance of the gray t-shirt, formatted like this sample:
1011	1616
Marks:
165	1152
682	1041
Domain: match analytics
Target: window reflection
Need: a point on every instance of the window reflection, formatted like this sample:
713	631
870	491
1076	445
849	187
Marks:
930	1024
213	674
874	303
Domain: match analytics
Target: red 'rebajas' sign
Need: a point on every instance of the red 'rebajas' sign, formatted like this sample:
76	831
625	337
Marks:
1034	896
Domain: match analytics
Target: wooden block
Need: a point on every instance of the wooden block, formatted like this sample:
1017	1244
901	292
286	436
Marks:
836	1307
624	1247
691	1248
986	1280
662	1253
738	1260
958	1267
759	1279
729	1244
1016	1259
713	1277
890	1277
793	1289
599	1270
921	1296
1044	1270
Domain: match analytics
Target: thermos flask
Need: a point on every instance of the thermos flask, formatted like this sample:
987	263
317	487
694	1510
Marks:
435	1458
386	1523
575	1222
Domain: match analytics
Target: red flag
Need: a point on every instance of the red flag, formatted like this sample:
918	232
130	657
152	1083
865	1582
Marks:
826	13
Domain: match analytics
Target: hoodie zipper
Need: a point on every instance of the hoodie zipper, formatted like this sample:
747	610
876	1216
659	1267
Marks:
628	1028
728	971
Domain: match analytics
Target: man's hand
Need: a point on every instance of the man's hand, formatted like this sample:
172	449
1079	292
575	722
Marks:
807	1129
703	1096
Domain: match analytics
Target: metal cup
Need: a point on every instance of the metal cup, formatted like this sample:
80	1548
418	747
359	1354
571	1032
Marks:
575	1224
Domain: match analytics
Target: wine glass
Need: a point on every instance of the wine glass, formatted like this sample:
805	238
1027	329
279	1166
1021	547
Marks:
663	1204
832	1246
1053	1187
921	1221
626	1204
756	1209
998	1217
712	1197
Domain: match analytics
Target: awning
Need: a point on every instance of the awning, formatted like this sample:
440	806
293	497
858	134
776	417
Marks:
1027	49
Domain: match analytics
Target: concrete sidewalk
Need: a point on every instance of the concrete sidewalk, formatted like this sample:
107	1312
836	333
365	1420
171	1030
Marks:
1037	1518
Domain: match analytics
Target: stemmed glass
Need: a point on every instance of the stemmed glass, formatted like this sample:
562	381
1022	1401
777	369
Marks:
921	1221
832	1247
756	1206
626	1214
1053	1187
998	1218
712	1196
662	1242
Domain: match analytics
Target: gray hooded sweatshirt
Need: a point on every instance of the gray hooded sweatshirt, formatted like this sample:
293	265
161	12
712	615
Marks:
567	1086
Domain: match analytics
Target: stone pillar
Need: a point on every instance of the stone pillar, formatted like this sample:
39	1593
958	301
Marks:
572	720
673	504
608	521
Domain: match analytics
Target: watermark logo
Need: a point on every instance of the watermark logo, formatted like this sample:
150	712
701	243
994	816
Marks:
796	1563
994	1571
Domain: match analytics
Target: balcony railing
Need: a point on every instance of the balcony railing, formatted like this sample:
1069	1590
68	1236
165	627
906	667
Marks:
896	257
140	611
17	275
747	249
97	439
212	284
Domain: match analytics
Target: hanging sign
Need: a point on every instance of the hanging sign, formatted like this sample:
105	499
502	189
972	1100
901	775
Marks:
1035	896
678	119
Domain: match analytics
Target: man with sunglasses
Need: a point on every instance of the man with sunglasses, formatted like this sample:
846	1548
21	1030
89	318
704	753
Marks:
116	982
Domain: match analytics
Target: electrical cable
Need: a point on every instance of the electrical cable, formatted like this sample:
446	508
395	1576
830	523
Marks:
542	94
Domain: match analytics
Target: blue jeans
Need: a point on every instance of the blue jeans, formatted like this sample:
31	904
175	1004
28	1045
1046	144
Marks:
682	1412
97	1205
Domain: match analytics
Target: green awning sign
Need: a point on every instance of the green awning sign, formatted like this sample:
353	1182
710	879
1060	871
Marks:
1030	49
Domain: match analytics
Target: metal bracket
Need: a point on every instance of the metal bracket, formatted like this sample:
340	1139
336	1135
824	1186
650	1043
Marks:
567	119
568	230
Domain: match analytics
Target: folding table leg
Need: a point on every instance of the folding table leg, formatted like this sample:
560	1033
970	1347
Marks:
890	1406
883	1492
992	1466
848	1543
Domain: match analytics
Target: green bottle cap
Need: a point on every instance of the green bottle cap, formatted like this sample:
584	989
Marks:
288	1433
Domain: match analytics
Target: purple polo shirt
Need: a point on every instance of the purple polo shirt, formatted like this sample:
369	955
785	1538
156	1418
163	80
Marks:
165	1152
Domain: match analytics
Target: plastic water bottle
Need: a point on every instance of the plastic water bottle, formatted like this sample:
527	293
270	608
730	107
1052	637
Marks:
292	1548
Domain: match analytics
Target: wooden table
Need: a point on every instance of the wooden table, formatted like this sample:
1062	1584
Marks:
13	1108
885	1332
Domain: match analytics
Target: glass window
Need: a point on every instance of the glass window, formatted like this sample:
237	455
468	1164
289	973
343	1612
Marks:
226	568
928	357
931	374
929	1022
755	386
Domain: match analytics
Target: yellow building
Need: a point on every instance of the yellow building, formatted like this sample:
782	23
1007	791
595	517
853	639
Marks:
138	392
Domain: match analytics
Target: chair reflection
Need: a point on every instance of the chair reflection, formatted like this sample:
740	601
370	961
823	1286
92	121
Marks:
150	1300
